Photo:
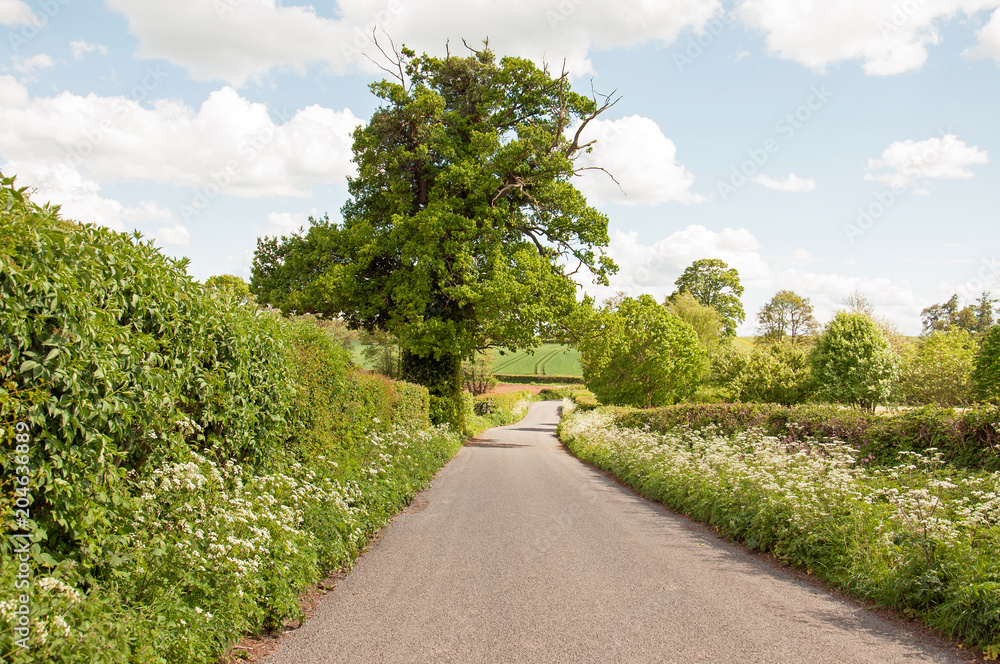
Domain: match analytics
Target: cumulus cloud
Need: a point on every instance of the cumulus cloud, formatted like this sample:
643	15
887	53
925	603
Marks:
653	268
33	64
287	223
886	36
15	12
644	162
228	139
944	158
220	40
792	183
176	236
80	197
989	40
82	48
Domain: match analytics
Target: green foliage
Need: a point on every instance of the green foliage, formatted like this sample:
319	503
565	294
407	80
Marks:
986	375
714	284
775	372
478	373
194	462
970	439
461	218
787	314
977	318
639	353
940	372
704	319
853	363
229	283
916	535
498	410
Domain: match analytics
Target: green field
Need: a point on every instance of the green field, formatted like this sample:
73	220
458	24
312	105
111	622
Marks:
550	359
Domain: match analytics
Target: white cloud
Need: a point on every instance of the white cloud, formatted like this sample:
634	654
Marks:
79	197
15	12
33	64
221	39
287	223
887	36
910	161
112	139
989	40
792	183
653	268
82	48
177	236
641	159
12	93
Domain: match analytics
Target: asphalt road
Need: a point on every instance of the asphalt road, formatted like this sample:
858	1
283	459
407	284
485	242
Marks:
520	553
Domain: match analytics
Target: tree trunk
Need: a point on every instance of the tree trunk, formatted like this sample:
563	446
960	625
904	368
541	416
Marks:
443	378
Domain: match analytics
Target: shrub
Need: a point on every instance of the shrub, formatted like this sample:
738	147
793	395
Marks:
853	363
986	374
776	372
638	353
941	370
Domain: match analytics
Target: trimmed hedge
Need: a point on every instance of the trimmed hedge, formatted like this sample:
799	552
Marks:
969	439
188	455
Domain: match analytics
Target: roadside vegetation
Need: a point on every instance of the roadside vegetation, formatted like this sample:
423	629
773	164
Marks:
913	533
178	464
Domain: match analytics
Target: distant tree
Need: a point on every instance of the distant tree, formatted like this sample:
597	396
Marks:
940	372
986	374
383	353
704	319
853	362
714	284
978	317
638	353
787	314
859	303
230	283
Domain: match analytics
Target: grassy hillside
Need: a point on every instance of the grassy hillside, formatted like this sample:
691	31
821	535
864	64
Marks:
550	359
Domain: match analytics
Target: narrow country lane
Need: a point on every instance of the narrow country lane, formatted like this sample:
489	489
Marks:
520	553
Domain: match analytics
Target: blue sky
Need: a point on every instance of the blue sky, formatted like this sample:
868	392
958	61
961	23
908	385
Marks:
815	146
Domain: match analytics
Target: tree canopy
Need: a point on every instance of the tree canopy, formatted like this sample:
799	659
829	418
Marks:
714	284
635	352
853	362
463	228
787	314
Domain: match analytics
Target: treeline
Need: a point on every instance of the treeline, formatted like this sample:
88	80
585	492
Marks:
638	352
177	464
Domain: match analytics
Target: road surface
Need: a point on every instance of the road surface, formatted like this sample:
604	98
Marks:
520	553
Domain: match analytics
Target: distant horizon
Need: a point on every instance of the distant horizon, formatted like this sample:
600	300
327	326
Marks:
821	148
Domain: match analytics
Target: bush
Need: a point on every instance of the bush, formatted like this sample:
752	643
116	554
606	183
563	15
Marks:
986	375
776	373
637	353
853	363
194	462
970	439
941	370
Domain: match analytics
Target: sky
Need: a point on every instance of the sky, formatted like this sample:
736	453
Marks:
815	146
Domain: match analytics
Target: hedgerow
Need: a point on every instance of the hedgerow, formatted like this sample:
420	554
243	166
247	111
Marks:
186	463
967	439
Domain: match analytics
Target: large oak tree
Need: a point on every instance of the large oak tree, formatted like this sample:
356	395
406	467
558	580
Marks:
463	228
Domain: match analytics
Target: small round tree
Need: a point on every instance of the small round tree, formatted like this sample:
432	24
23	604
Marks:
637	353
853	363
986	375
